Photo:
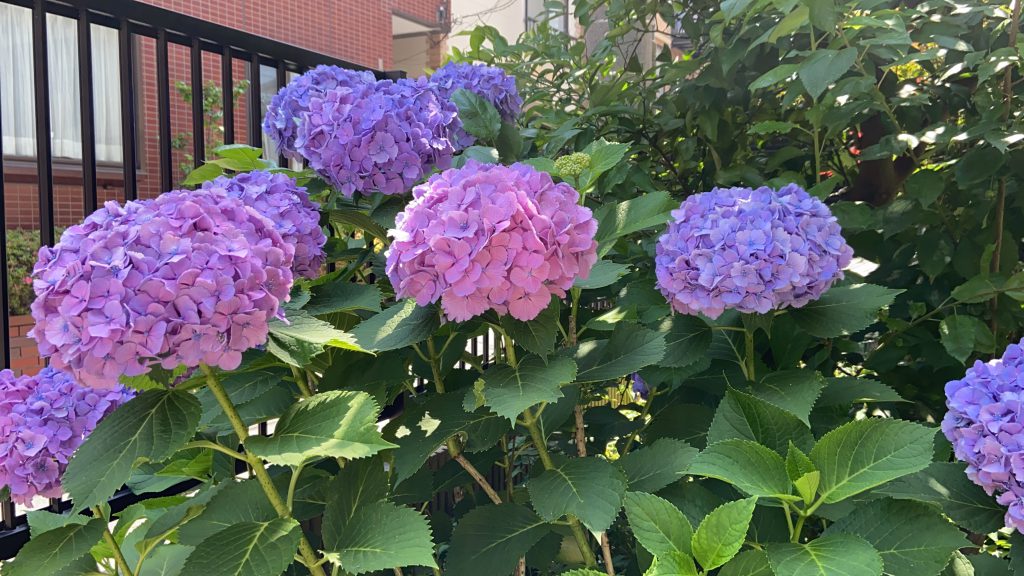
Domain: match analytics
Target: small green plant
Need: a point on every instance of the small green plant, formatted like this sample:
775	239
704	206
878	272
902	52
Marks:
213	119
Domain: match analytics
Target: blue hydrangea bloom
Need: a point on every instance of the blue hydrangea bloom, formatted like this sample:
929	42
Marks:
488	82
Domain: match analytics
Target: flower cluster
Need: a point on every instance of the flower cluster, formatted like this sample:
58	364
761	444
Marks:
187	278
495	237
753	250
490	83
43	419
288	106
984	424
288	207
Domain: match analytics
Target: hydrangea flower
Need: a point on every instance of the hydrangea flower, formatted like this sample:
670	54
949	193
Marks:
43	420
640	387
753	250
984	424
495	237
488	82
288	106
187	278
287	205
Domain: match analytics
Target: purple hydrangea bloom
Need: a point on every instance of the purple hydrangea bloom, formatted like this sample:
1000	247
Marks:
495	237
640	387
753	250
488	82
985	424
43	420
287	205
289	105
187	278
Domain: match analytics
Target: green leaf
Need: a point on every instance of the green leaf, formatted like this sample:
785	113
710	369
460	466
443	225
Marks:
657	524
824	14
807	486
204	173
791	23
629	349
795	391
589	488
152	426
478	116
741	415
228	504
843	310
984	287
946	485
774	76
672	565
866	453
360	483
537	335
305	328
959	335
913	538
482	154
399	326
246	549
343	297
824	67
797	463
604	273
754	469
748	563
653	467
52	551
582	572
978	165
240	152
491	539
509	391
542	165
357	220
722	532
40	521
687	340
380	536
846	391
771	127
622	218
832	555
338	424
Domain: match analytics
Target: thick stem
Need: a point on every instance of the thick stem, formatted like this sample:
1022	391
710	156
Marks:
606	552
435	368
309	557
789	518
795	538
748	338
108	537
480	480
581	434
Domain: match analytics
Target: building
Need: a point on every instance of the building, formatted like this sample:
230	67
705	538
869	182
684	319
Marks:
510	17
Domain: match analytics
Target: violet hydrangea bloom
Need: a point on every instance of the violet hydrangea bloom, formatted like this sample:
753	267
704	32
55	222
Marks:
187	278
488	82
43	420
486	236
753	250
286	204
985	424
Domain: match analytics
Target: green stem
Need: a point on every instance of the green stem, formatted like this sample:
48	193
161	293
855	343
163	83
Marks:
259	471
510	351
435	368
748	338
108	537
643	419
292	483
789	518
215	446
300	380
795	537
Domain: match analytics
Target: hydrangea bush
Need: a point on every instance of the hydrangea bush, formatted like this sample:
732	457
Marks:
630	325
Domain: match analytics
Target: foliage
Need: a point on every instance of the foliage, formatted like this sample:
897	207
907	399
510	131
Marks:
213	118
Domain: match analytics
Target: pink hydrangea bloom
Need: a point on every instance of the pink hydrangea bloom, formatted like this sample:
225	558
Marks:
494	237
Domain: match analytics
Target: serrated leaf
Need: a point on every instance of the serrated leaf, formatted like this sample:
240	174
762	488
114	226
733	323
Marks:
790	23
359	483
722	532
913	538
338	424
629	349
537	335
797	463
509	391
823	67
807	486
380	536
396	327
604	155
657	524
748	563
246	549
687	340
589	488
305	328
491	539
754	469
771	127
633	215
833	555
741	415
946	484
343	297
795	391
846	391
52	551
231	503
152	426
653	467
774	76
603	273
958	335
478	116
40	521
672	565
866	453
843	310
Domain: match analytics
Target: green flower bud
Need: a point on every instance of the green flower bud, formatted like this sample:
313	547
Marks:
573	165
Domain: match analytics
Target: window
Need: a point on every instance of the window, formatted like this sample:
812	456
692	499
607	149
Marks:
554	12
17	102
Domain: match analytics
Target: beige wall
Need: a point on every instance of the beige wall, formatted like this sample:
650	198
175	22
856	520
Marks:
508	16
411	54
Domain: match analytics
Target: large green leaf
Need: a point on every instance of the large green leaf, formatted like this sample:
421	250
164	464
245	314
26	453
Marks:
687	340
962	335
52	551
509	391
399	326
246	549
657	524
946	484
343	297
833	555
589	488
337	424
843	310
604	273
795	391
537	335
621	218
749	466
722	532
313	331
491	539
152	426
846	391
748	563
741	415
478	116
672	565
866	453
232	503
360	483
382	535
629	349
653	467
913	538
824	67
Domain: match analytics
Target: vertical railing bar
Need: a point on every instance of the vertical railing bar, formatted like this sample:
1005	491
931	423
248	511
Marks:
255	105
127	75
163	109
228	92
42	102
86	104
198	96
282	79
